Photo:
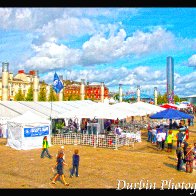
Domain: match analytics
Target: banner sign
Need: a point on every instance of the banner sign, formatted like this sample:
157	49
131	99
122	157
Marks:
36	131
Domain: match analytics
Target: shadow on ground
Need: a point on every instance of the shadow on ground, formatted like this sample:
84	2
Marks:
170	165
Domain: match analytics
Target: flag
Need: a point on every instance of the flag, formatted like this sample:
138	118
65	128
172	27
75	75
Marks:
57	84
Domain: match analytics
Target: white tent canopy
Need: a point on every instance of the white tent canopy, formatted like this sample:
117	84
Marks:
26	131
97	110
137	109
146	108
127	109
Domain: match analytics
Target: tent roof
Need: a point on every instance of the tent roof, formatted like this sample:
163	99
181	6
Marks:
11	109
138	108
169	105
171	114
29	117
146	107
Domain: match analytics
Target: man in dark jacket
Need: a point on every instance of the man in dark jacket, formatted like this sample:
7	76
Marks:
180	156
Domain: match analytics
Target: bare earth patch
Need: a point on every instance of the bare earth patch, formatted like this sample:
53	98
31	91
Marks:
99	167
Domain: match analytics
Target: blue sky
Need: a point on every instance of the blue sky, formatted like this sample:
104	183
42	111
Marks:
110	45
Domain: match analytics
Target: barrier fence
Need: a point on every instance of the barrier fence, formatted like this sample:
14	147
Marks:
98	140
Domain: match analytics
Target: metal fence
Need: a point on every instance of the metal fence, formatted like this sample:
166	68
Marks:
96	140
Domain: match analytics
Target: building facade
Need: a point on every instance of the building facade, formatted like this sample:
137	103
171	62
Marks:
10	85
72	90
170	79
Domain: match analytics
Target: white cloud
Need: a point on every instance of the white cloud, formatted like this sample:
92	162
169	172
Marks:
103	12
27	18
5	14
185	84
50	56
192	60
112	77
115	76
59	21
156	41
110	40
95	51
101	50
64	27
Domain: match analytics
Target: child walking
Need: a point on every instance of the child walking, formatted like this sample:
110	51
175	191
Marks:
60	162
45	147
75	164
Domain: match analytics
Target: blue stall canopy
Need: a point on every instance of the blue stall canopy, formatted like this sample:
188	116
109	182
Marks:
171	114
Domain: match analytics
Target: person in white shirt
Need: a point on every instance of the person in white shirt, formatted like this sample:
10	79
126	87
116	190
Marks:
163	134
159	140
118	130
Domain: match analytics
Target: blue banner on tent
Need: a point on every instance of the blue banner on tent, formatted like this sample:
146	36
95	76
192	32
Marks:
36	131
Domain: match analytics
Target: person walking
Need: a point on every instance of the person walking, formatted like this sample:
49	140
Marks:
61	150
75	164
45	147
60	162
180	156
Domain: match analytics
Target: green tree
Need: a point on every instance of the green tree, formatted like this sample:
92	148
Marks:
42	92
92	98
29	96
76	97
73	97
176	98
52	95
19	96
65	98
160	99
116	96
165	99
86	97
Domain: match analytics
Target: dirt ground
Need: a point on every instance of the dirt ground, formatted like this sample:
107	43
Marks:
99	168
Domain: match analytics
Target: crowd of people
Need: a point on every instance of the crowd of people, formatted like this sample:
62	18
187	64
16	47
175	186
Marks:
60	162
159	135
186	154
163	137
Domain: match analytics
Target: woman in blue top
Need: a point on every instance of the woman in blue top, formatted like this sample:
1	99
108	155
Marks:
59	167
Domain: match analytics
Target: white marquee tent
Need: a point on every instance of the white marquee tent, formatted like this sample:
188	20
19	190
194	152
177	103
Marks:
26	131
127	109
137	109
146	108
